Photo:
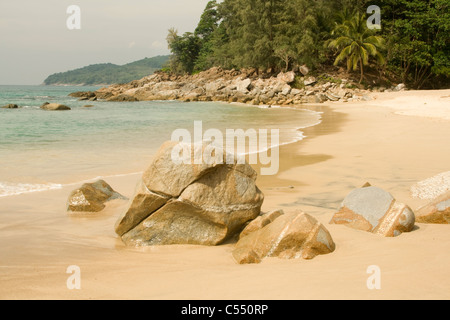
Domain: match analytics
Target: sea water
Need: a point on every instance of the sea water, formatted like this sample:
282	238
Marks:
41	150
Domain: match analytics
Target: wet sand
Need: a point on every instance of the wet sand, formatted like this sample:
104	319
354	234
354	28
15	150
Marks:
356	143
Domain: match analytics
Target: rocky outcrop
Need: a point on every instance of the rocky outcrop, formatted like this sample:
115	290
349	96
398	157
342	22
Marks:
189	203
10	106
437	211
54	107
91	197
289	236
249	86
374	210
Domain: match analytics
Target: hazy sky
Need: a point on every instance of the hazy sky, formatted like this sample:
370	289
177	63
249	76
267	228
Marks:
35	41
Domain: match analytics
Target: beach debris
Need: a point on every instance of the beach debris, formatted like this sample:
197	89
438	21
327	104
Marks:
290	236
10	106
54	107
91	197
436	212
190	203
374	210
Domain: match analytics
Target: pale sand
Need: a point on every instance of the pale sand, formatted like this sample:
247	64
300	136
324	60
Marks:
357	142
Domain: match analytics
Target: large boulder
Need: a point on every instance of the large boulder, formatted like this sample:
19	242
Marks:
191	202
289	236
374	210
91	197
54	107
437	211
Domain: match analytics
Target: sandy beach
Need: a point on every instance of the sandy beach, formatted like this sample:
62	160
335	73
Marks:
393	141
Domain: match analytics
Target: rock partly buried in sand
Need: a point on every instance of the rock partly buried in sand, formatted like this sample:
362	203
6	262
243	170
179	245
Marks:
374	210
178	203
54	107
292	235
260	222
10	106
437	211
91	197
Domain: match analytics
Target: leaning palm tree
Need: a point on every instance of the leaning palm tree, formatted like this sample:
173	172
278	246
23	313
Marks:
357	43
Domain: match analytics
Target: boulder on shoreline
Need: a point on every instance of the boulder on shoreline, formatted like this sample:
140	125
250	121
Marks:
436	212
374	210
202	204
54	107
10	106
91	197
289	236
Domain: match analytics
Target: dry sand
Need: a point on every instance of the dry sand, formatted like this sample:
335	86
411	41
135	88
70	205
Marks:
371	141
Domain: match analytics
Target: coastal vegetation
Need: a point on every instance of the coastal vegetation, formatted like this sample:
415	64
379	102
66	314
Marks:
412	46
108	73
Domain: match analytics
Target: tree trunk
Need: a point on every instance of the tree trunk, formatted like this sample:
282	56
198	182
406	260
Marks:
362	69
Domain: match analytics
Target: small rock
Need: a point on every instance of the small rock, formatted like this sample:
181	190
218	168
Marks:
304	70
287	77
10	106
310	81
54	107
400	87
91	197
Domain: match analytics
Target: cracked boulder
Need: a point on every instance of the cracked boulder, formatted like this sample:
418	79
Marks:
374	210
288	236
204	199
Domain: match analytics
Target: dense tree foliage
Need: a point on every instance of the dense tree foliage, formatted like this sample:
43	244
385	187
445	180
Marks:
412	46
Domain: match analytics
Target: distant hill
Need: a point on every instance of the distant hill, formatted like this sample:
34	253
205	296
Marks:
108	73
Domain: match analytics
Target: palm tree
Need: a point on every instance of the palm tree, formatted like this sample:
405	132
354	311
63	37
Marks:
357	43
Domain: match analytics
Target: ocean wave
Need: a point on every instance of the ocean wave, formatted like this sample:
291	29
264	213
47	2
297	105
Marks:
12	189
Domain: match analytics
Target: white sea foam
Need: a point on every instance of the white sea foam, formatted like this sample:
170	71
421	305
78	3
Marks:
12	189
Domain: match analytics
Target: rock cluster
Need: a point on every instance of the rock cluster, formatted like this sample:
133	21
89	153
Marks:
245	86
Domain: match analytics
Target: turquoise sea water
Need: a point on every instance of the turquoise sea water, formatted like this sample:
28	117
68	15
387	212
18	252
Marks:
40	150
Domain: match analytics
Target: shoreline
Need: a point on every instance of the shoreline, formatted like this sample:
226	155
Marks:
355	143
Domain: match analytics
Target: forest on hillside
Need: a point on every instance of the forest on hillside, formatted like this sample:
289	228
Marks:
391	40
108	73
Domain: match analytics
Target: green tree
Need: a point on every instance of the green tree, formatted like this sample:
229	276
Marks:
356	44
418	41
185	50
